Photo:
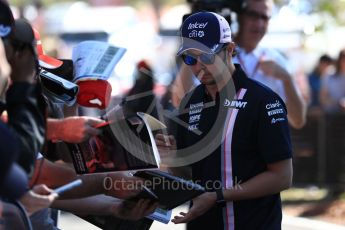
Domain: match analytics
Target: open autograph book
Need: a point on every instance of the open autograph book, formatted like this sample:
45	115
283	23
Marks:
129	145
124	145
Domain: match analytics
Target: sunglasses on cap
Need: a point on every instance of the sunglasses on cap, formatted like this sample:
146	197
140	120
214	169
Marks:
205	58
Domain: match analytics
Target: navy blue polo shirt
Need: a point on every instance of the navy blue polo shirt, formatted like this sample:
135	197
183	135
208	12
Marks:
231	139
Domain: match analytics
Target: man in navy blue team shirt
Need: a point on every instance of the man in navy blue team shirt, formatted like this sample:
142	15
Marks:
233	134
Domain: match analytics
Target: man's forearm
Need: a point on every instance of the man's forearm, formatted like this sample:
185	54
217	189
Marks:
58	174
54	129
295	104
113	183
93	205
91	185
266	183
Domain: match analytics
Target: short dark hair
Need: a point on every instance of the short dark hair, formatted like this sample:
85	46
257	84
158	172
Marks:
325	58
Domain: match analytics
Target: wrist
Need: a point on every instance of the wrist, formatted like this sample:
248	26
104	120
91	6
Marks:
220	200
55	129
107	185
114	209
285	77
213	197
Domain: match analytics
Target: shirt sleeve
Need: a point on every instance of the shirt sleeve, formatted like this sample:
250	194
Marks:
273	132
26	118
8	150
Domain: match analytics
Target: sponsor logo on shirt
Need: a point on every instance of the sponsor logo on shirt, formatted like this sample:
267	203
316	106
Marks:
235	104
195	115
275	120
274	108
274	105
194	118
193	127
196	108
275	111
194	111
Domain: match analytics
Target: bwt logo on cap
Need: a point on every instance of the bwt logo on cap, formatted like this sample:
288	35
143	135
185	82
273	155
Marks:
205	31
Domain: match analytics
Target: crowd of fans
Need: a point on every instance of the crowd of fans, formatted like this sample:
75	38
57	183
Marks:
32	126
30	123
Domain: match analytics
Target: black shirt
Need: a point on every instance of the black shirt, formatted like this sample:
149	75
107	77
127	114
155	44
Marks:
231	139
26	118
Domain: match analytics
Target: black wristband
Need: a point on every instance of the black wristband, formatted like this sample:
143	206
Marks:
220	198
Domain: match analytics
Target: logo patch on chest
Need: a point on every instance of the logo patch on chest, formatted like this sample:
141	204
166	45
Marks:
195	115
237	104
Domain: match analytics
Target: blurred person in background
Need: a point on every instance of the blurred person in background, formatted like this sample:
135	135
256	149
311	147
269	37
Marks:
266	65
93	197
14	186
141	97
322	69
183	83
332	95
14	190
26	114
23	101
76	129
54	170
